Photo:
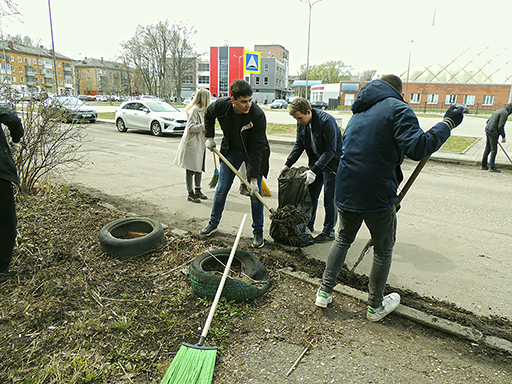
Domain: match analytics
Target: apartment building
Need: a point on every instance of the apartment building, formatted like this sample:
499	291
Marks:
102	77
31	69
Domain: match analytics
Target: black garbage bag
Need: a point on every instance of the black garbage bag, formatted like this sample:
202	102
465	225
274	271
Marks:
292	191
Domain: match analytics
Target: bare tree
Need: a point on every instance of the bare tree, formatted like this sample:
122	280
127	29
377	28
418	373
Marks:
161	55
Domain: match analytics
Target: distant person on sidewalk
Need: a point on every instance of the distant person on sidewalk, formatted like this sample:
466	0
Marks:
495	128
382	130
318	135
244	127
191	150
8	176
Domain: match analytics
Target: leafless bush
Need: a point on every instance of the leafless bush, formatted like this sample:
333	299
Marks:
48	145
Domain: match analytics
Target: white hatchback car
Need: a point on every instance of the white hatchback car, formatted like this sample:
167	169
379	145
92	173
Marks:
157	116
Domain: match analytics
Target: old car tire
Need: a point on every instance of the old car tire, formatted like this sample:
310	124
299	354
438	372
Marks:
156	129
205	283
121	127
115	236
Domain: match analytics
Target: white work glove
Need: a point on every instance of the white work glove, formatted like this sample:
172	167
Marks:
210	143
14	147
254	186
309	175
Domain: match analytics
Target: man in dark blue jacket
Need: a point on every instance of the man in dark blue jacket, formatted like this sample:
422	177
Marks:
382	130
244	127
8	176
495	128
318	135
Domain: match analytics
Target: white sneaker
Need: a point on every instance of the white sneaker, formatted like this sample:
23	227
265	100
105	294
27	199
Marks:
323	298
389	304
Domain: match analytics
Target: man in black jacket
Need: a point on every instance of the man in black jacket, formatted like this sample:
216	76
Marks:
318	135
494	129
245	140
8	176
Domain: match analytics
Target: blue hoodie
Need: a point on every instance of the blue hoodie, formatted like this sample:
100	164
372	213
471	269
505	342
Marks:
382	130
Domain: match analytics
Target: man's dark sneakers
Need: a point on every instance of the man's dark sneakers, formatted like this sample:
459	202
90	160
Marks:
193	198
208	230
494	169
258	240
484	168
323	238
200	195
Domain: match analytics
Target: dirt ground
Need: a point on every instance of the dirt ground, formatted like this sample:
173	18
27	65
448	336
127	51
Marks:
70	313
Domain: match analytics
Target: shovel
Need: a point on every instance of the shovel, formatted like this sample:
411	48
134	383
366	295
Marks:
404	190
235	171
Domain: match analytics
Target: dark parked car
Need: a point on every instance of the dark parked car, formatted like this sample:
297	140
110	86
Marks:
279	104
319	104
68	109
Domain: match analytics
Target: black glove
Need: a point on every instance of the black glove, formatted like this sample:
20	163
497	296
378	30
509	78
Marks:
453	116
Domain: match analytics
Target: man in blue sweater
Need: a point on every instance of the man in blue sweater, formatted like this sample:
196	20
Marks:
318	135
382	130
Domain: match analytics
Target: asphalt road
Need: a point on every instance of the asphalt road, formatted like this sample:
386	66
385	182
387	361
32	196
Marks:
454	232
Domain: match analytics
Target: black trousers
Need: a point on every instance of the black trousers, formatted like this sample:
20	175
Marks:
491	148
7	224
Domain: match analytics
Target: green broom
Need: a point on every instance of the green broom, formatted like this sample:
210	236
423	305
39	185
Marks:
194	363
215	177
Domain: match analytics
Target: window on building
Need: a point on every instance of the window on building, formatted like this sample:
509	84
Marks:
450	99
60	74
41	71
265	80
432	98
204	79
265	67
14	79
42	81
415	98
86	71
188	79
13	68
469	99
27	60
203	67
488	100
20	69
257	80
22	79
20	59
58	64
60	82
40	61
12	58
34	61
88	78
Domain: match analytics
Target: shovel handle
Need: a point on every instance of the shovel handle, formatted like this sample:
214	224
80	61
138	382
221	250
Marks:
401	196
235	171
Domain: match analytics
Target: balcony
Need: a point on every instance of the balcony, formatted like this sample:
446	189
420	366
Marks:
31	83
48	75
67	67
30	72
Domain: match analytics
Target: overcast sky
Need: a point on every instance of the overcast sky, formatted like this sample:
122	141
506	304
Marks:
365	34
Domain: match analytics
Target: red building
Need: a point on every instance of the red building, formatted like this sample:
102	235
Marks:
226	65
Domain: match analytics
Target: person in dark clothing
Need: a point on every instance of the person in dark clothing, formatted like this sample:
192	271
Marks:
8	176
495	128
244	127
382	130
318	135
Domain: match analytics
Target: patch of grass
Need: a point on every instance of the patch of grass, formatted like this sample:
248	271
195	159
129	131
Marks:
107	115
457	144
281	129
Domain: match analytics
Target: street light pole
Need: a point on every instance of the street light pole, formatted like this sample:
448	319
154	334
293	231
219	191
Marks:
239	66
309	39
53	49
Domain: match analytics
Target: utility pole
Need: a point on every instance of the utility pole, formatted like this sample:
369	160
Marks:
53	49
309	38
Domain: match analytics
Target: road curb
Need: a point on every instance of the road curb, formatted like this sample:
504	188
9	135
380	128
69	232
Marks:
415	315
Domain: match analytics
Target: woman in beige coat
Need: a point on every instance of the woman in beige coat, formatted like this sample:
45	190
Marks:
191	150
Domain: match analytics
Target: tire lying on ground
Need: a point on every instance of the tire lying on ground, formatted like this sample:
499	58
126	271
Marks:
205	281
117	238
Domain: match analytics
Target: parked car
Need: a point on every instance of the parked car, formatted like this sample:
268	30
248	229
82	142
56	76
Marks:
279	104
5	102
82	97
90	98
319	104
187	100
101	98
157	116
465	108
68	109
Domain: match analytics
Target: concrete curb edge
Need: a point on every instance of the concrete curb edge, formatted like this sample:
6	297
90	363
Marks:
415	315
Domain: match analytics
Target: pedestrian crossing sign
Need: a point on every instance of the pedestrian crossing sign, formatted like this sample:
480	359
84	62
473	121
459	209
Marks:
252	62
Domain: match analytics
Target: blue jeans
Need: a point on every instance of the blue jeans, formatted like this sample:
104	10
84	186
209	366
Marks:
382	226
326	180
236	158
